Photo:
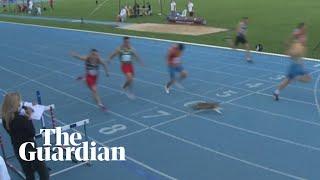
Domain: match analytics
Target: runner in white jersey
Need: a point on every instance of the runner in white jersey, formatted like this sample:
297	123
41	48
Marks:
126	55
296	51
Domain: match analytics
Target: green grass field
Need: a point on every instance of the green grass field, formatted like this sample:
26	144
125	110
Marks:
271	22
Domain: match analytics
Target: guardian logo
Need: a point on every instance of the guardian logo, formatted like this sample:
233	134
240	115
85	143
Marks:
66	147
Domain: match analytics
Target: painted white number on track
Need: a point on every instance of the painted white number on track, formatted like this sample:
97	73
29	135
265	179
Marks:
277	78
254	85
316	66
160	113
226	93
112	129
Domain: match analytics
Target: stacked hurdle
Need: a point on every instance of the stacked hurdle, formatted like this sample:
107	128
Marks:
64	128
82	123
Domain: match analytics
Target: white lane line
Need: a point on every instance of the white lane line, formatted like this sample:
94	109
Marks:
143	111
68	169
126	135
100	124
316	94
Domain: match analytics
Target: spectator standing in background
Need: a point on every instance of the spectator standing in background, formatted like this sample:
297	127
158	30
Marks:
123	14
173	7
51	4
190	8
184	13
149	11
38	10
30	6
138	10
135	10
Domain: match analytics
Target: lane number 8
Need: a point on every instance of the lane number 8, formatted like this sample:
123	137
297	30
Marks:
112	129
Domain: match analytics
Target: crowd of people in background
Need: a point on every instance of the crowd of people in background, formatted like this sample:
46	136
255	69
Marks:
146	10
30	7
134	11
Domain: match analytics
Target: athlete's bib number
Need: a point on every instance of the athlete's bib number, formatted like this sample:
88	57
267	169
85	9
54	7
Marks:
92	72
126	58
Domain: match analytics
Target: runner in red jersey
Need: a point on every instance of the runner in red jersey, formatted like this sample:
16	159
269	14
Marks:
92	63
175	66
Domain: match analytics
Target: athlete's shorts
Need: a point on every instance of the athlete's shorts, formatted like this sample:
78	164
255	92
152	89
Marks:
240	39
91	80
296	70
175	69
127	68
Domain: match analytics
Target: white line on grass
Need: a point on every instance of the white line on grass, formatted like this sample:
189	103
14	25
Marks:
97	8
